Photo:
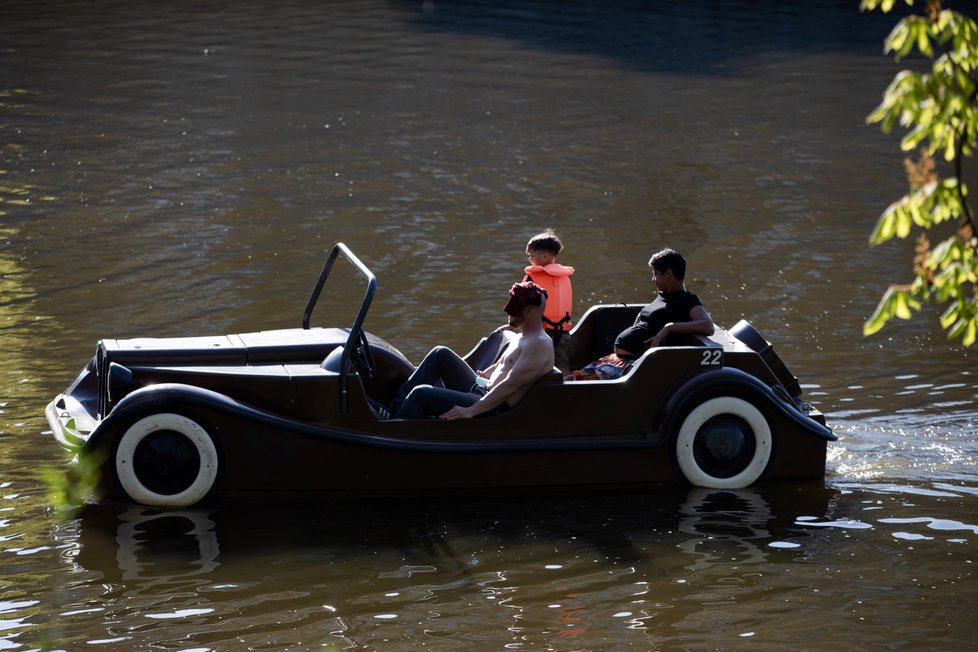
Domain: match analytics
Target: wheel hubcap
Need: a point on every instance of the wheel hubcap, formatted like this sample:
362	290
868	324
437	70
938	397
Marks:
724	446
166	462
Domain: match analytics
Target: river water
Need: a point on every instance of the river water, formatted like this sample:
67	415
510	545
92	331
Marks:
182	168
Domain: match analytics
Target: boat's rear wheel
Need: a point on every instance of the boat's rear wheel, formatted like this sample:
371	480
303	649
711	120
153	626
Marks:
166	460
723	443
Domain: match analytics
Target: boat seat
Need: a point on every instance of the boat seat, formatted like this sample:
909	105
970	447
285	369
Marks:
691	339
485	353
608	324
553	377
392	370
610	321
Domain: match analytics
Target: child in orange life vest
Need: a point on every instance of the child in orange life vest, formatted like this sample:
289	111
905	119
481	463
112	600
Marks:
545	271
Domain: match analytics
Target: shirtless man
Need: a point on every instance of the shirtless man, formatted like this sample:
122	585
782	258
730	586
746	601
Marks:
523	362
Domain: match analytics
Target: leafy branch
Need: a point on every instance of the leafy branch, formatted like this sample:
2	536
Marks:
69	490
939	110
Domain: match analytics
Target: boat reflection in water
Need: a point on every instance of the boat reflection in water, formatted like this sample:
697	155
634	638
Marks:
747	525
142	534
712	525
264	574
725	525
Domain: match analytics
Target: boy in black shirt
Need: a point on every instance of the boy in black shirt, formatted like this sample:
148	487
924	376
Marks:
674	310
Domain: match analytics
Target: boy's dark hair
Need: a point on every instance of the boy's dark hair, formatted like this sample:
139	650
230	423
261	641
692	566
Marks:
669	259
547	241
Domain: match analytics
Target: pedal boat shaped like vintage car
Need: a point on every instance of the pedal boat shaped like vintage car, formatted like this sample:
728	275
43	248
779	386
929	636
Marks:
285	414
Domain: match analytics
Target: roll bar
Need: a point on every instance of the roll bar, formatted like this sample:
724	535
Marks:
355	337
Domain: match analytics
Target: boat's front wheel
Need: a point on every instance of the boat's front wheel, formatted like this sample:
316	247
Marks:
166	460
723	443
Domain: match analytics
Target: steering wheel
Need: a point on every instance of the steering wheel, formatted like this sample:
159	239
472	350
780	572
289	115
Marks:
362	358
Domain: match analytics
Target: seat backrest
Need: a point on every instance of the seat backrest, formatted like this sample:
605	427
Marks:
609	322
392	370
332	361
487	351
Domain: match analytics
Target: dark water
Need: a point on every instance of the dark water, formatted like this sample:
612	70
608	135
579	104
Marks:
181	168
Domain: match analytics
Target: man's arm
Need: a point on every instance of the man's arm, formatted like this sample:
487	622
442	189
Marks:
533	356
700	324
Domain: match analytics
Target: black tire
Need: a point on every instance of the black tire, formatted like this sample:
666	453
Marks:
166	460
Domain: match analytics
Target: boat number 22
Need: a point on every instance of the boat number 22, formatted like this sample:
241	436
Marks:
712	358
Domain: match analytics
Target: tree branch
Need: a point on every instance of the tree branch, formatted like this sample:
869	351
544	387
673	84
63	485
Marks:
960	135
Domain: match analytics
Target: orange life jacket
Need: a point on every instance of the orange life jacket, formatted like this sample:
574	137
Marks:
555	279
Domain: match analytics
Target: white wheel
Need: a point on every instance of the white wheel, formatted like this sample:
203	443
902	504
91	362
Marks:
166	460
724	443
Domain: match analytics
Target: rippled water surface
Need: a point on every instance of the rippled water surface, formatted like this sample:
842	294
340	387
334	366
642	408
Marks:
181	168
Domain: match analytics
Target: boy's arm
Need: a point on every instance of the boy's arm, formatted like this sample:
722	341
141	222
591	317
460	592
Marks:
700	324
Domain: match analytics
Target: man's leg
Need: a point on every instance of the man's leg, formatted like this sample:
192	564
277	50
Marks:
428	401
440	365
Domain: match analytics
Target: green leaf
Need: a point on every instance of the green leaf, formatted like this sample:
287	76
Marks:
886	224
923	40
69	489
898	40
897	301
970	332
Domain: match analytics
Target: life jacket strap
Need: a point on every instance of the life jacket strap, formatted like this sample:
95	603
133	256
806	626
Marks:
556	329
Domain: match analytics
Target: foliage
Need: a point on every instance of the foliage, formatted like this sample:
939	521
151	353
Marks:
939	109
68	490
